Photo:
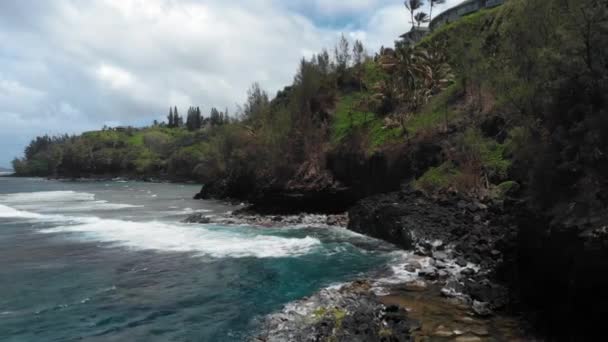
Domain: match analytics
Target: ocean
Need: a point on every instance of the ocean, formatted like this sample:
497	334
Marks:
111	261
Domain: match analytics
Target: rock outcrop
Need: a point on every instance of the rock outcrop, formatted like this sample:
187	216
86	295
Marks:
477	233
351	313
552	267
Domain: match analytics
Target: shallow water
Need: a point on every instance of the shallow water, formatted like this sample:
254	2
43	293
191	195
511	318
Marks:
110	261
443	319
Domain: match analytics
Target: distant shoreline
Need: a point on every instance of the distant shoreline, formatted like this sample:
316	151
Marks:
109	178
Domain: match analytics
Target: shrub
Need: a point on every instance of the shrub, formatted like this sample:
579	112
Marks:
437	178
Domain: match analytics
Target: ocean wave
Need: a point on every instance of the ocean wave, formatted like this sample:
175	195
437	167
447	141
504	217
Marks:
181	238
60	201
46	196
8	212
187	211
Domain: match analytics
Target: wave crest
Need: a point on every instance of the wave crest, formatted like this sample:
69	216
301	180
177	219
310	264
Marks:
183	238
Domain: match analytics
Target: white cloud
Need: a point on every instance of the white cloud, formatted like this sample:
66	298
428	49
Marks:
115	77
127	61
339	7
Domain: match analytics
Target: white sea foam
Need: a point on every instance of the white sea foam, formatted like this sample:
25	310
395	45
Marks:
8	212
60	201
183	238
72	207
398	272
199	240
187	211
46	196
13	213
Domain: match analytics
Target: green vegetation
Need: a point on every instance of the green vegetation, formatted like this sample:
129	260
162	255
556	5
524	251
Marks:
437	178
437	112
351	116
538	68
504	188
514	93
337	315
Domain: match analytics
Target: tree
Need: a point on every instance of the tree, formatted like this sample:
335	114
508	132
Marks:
226	116
433	3
412	6
191	120
170	121
177	120
342	54
199	118
324	62
257	104
215	117
421	18
358	53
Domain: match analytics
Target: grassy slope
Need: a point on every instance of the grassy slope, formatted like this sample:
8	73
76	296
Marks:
352	114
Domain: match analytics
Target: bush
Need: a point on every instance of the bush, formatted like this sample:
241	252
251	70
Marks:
475	149
438	178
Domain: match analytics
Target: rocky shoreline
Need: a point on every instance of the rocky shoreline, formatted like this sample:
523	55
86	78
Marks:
453	251
475	233
349	313
422	298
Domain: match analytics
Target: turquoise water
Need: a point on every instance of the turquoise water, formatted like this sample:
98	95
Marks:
110	261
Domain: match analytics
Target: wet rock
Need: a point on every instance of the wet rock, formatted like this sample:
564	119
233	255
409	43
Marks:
415	286
443	274
452	288
337	220
440	264
481	309
426	245
421	251
439	245
351	313
383	220
198	218
478	233
462	204
411	268
468	338
428	273
479	331
442	331
439	255
483	290
467	272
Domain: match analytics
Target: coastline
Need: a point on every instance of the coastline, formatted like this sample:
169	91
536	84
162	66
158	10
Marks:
481	237
428	291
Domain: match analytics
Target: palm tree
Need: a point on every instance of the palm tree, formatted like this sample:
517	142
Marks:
433	3
421	18
412	6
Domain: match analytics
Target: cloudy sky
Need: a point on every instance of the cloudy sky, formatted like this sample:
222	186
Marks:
68	66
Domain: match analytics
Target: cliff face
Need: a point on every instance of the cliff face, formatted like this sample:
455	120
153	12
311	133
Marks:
553	271
540	122
347	177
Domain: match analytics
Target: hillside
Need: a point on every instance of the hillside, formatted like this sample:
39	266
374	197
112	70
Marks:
506	105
